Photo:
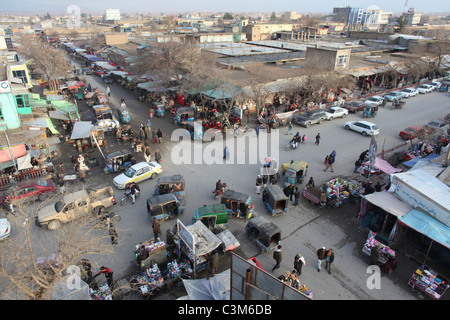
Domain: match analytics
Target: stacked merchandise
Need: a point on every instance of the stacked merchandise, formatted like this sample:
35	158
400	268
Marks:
150	280
384	250
173	270
429	282
339	191
293	281
103	293
147	248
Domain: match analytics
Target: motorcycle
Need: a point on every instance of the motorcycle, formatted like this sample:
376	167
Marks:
127	196
217	194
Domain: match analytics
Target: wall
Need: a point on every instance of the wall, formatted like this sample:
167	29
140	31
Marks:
116	38
9	111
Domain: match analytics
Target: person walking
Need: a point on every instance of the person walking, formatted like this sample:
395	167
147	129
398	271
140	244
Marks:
159	135
147	154
108	91
329	260
304	138
296	196
61	171
82	175
156	228
257	130
358	164
154	136
214	260
299	262
258	184
134	189
277	256
157	156
317	139
289	128
112	232
329	160
321	255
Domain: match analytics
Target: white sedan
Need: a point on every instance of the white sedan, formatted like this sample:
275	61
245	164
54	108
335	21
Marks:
5	228
137	173
375	100
409	92
424	88
366	128
336	112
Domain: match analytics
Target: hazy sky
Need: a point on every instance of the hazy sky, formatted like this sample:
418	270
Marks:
168	6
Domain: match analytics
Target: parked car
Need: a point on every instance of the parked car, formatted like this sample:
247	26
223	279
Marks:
74	205
412	132
36	189
409	92
435	84
394	95
5	228
436	124
366	128
424	88
137	173
336	112
376	100
355	106
447	118
310	117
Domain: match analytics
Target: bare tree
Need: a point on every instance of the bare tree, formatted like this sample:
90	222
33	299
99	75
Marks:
21	273
49	61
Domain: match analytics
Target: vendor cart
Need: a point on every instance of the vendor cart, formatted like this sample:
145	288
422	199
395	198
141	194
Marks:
195	242
149	253
312	194
429	282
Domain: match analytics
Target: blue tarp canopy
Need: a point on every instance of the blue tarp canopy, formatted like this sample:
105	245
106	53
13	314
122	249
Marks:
428	226
412	162
92	57
224	91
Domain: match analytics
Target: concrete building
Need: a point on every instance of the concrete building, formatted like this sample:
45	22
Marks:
412	17
329	59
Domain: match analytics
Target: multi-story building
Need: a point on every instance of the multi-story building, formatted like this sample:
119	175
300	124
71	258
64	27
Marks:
358	19
412	17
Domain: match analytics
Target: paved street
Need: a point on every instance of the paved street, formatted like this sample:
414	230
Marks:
304	228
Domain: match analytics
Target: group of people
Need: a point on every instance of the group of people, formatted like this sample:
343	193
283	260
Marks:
323	254
293	193
89	277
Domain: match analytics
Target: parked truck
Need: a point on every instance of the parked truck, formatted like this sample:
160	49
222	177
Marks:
73	206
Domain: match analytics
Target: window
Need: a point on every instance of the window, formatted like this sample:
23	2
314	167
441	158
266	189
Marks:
20	102
342	60
2	118
21	74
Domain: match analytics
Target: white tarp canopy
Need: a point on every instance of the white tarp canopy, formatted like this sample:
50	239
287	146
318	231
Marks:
215	288
389	203
81	129
65	290
198	238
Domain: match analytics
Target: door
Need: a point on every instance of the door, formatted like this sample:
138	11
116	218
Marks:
69	211
82	208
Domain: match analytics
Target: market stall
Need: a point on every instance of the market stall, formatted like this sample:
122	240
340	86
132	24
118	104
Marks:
339	191
384	251
195	242
150	252
379	166
429	282
102	293
154	279
293	281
